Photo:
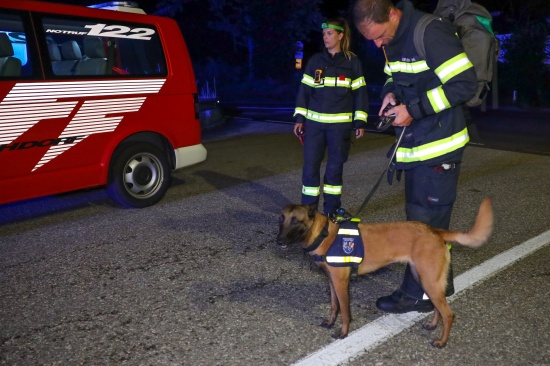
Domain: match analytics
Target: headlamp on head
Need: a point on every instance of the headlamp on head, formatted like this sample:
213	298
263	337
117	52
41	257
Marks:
333	26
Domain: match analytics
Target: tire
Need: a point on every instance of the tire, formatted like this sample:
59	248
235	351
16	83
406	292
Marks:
139	175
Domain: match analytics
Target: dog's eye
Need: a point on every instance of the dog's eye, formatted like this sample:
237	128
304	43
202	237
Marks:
294	221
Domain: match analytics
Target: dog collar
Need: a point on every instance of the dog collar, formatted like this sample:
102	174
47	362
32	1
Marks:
319	239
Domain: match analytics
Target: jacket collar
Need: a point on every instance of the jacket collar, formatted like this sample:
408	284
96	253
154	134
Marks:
404	26
337	58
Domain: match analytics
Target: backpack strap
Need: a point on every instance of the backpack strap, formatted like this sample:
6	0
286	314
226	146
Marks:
418	36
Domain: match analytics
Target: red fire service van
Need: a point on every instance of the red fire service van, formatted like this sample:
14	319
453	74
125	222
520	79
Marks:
93	97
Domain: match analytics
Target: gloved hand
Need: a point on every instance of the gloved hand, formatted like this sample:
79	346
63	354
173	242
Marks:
299	131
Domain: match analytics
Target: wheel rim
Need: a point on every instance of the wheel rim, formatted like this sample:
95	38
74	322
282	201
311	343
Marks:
143	175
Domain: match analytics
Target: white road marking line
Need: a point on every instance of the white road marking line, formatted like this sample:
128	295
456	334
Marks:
377	332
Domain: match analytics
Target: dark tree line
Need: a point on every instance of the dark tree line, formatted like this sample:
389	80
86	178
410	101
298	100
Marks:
242	43
249	43
526	49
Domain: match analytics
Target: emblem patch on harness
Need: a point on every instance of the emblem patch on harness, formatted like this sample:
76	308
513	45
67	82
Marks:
348	245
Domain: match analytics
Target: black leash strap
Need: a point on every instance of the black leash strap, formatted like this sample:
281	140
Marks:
371	193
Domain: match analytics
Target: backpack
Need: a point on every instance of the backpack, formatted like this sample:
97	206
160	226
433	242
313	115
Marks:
473	25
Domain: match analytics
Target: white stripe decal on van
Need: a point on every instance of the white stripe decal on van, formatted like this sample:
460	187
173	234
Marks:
29	103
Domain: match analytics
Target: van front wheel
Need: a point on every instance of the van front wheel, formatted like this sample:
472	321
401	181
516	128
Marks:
139	175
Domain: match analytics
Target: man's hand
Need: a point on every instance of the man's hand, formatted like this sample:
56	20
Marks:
388	99
402	116
359	133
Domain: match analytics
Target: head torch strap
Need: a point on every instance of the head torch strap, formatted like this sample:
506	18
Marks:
333	26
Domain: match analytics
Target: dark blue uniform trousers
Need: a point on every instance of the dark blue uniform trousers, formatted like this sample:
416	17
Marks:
430	193
336	141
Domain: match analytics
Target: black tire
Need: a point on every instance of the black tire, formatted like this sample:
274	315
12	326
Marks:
139	175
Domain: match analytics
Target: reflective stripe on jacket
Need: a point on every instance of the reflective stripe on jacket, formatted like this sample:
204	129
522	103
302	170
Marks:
338	97
432	89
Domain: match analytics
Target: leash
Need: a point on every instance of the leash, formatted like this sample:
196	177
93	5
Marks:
371	193
383	124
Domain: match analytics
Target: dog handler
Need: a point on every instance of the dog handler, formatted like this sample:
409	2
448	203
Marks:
332	101
431	93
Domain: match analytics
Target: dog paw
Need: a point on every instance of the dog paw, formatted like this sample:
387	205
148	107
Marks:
327	324
438	343
338	335
429	326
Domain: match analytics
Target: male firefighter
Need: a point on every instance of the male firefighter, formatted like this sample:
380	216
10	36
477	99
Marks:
427	95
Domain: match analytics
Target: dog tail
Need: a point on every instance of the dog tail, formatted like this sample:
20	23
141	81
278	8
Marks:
479	233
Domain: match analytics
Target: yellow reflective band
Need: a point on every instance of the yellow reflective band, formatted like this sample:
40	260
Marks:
332	189
329	118
360	115
433	149
308	80
389	80
301	111
311	191
453	67
332	82
348	232
357	83
331	259
438	99
346	83
387	70
409	67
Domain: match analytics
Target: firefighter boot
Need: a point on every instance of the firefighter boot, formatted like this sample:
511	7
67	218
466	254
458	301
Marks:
409	297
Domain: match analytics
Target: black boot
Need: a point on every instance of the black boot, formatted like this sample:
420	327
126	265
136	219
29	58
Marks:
408	298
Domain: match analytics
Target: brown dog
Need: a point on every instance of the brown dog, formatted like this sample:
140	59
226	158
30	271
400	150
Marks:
422	246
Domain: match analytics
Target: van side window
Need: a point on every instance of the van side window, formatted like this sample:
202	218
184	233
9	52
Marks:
14	56
94	48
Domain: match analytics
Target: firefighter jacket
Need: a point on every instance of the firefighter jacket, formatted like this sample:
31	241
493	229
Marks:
433	90
338	96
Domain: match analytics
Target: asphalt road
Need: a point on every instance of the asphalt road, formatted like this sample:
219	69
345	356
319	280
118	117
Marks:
198	279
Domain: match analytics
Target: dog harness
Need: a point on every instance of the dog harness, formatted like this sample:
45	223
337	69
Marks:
347	248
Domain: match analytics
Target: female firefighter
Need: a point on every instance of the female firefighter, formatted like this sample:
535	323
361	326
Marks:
332	101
